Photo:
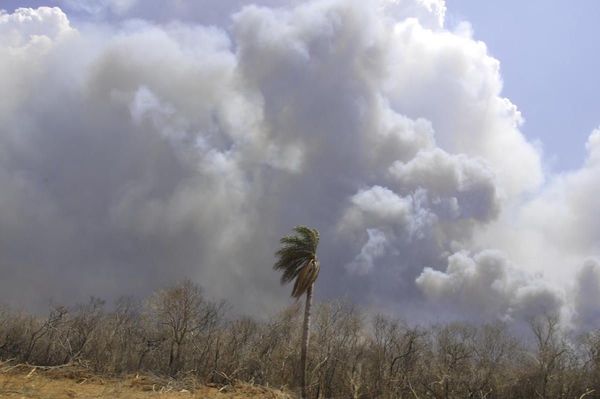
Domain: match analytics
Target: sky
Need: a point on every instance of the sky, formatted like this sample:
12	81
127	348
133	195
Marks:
549	66
447	153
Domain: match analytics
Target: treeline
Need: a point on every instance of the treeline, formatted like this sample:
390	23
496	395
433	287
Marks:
180	333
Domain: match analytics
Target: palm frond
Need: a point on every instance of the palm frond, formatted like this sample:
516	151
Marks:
306	277
297	259
310	236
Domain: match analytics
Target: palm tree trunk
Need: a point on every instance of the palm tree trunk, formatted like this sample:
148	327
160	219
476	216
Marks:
305	339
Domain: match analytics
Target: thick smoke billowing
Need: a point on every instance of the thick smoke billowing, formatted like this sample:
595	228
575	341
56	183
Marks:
487	285
140	147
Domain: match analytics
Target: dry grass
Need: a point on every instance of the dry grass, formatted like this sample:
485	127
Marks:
77	383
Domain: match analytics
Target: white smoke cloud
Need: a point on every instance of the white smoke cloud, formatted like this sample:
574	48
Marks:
378	206
136	150
449	74
487	285
430	13
555	233
27	25
467	181
374	248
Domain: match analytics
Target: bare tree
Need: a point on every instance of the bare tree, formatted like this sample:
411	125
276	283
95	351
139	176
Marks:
39	329
550	351
178	332
181	311
83	323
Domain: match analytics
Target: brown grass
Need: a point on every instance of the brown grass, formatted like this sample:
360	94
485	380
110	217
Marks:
76	383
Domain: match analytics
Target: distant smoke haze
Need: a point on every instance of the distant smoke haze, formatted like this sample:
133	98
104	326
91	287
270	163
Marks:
136	151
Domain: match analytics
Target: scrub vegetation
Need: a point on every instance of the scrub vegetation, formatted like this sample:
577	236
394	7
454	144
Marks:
178	340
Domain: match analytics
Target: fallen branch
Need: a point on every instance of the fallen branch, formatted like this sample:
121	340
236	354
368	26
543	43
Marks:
34	367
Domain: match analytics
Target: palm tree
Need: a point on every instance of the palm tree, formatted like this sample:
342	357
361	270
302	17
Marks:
297	259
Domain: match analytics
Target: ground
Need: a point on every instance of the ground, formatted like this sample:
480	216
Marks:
59	384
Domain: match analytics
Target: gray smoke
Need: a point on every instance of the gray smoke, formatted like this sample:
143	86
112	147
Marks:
487	286
146	145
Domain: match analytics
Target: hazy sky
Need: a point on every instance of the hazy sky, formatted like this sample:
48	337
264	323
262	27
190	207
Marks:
448	152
